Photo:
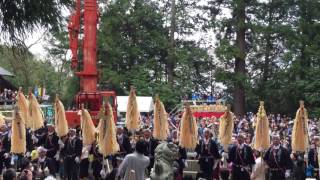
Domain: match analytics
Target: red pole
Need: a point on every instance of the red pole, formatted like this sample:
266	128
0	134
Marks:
88	77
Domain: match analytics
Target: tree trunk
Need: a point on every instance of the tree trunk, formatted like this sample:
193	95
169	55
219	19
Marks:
267	59
171	58
305	61
240	64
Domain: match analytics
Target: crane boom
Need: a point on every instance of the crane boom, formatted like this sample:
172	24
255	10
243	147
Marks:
87	68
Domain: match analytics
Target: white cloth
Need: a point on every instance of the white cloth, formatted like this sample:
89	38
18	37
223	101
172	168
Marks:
276	147
85	151
241	146
259	170
287	173
133	162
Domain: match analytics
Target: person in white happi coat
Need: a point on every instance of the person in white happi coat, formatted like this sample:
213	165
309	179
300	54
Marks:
259	169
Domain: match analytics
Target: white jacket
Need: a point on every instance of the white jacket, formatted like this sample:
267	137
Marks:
259	170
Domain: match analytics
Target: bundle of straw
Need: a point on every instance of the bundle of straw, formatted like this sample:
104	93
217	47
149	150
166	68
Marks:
262	136
107	141
160	130
188	137
87	128
18	136
61	124
133	114
23	106
226	128
2	121
300	130
35	113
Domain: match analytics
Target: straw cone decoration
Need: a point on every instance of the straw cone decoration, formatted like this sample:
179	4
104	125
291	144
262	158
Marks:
226	128
188	131
18	136
61	124
107	142
87	128
300	130
35	113
2	121
23	106
132	115
160	130
262	136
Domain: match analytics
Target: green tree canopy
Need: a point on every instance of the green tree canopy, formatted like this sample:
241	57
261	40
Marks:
19	17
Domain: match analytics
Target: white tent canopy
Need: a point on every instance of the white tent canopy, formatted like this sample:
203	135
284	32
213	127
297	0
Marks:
145	103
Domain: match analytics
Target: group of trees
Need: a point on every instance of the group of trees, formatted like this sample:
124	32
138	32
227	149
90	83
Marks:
261	50
278	45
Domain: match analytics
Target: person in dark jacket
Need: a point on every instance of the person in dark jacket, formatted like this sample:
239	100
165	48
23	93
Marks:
241	156
123	141
71	151
50	142
97	161
278	159
151	145
208	153
5	148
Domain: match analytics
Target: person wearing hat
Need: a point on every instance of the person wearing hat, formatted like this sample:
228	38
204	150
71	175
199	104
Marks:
207	151
50	142
278	160
44	165
71	152
241	156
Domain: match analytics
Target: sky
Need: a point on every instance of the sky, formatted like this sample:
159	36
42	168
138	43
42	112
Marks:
39	42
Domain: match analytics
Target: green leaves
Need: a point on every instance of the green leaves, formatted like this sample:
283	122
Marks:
22	16
133	46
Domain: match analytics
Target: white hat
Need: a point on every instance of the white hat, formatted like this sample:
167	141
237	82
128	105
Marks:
275	135
41	149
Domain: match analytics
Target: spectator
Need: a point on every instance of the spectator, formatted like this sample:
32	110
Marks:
9	174
136	162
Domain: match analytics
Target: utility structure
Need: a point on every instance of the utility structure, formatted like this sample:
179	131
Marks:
86	68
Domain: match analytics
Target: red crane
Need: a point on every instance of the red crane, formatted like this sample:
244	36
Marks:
87	68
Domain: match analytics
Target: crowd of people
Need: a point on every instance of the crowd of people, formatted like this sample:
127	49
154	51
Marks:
7	96
279	162
49	156
298	165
